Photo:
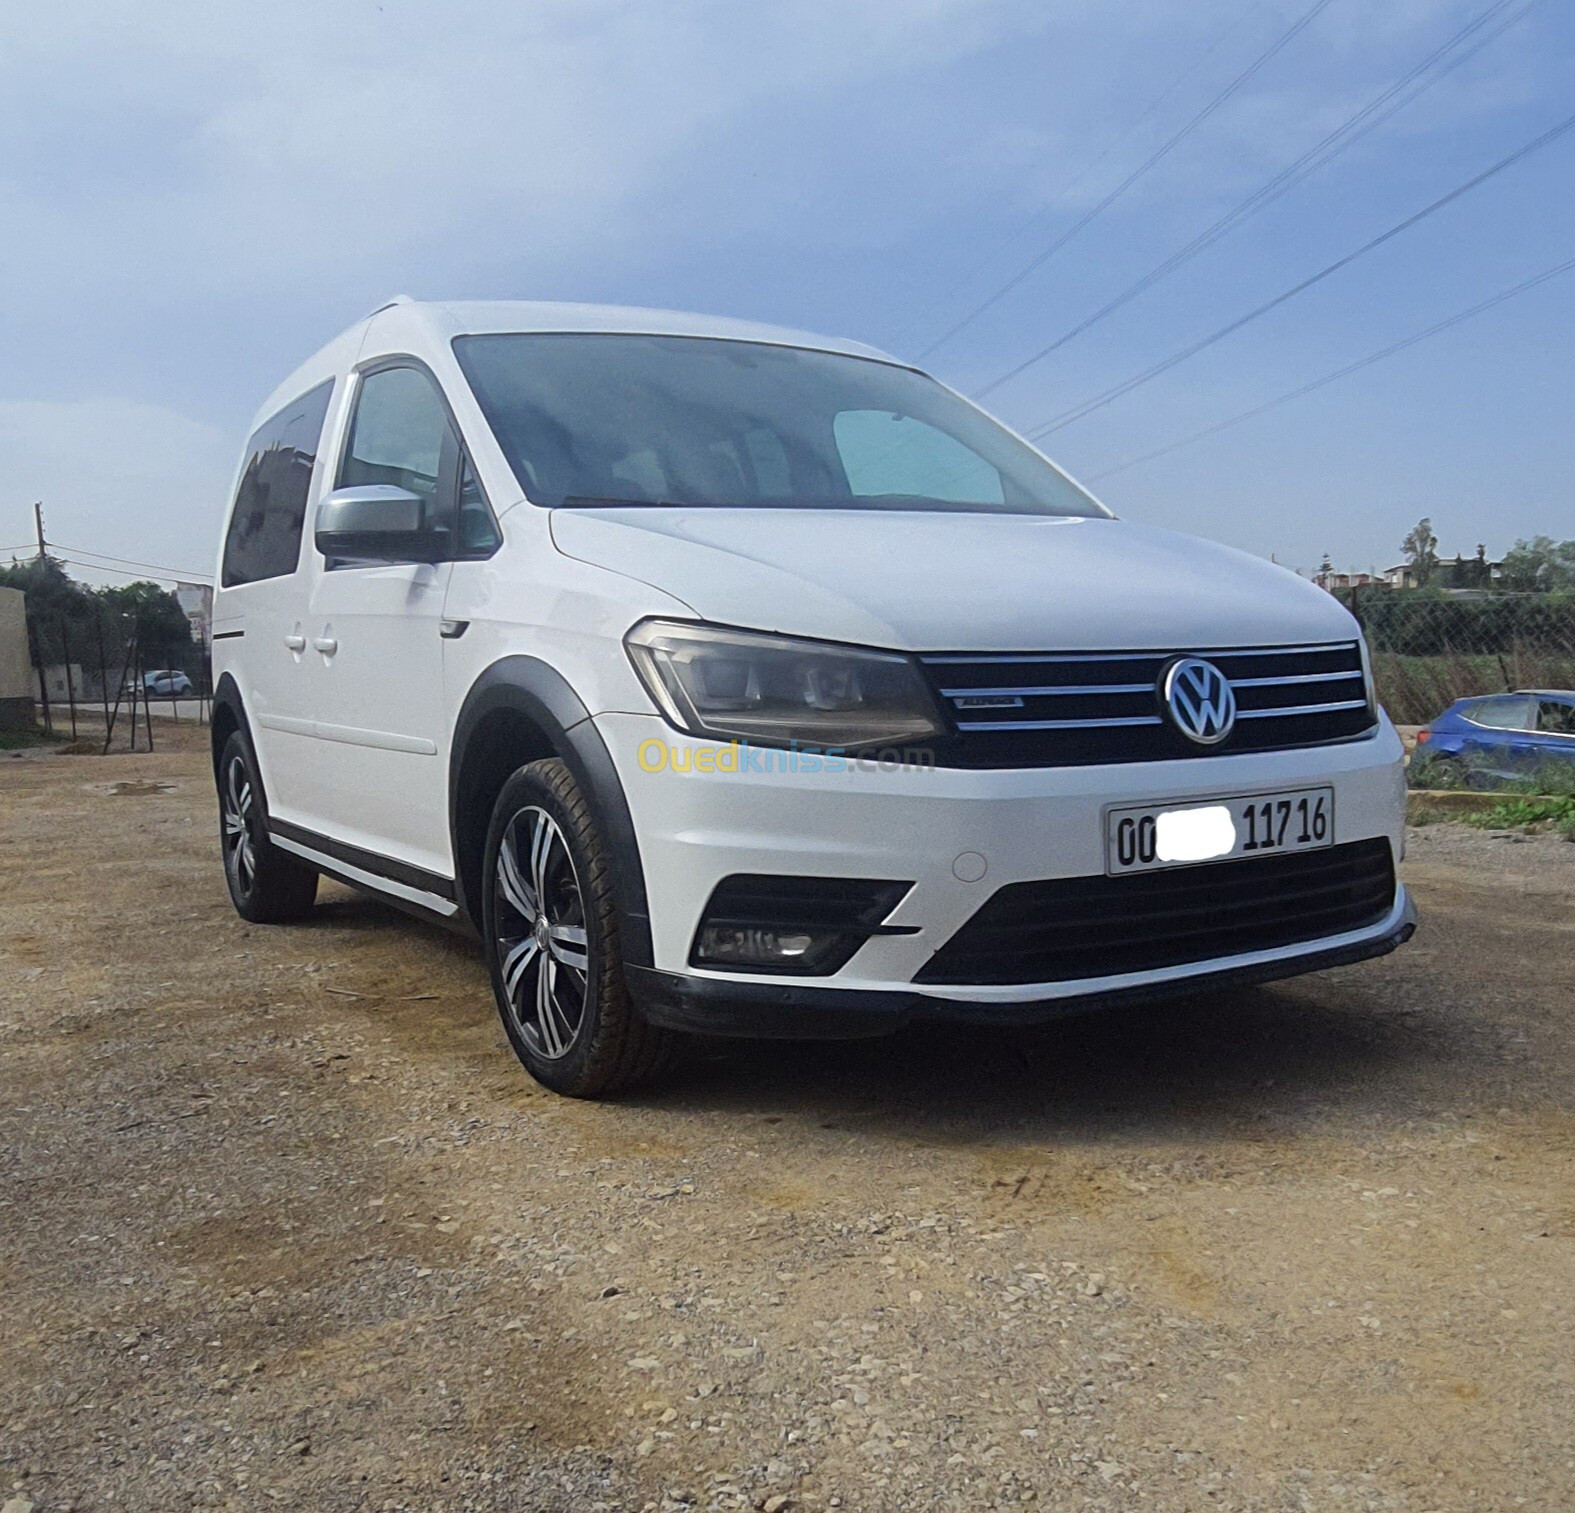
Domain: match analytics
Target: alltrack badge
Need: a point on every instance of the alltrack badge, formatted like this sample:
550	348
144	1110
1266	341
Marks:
1199	700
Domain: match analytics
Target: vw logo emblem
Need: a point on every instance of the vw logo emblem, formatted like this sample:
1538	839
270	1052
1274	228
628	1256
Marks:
1199	700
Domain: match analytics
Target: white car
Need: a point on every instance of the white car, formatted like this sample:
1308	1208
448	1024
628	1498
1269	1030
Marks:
733	680
167	683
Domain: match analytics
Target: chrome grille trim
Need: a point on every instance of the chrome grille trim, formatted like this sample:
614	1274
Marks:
1281	714
1040	708
1306	677
1045	693
1136	719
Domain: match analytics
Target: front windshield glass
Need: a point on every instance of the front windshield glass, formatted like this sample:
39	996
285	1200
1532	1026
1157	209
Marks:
590	420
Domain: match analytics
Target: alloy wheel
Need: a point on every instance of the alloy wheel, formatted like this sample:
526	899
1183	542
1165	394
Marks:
240	824
539	914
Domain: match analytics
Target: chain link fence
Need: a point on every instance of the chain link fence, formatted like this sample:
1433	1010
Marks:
1430	648
99	680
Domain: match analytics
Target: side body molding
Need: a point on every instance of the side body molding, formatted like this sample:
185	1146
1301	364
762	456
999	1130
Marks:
528	687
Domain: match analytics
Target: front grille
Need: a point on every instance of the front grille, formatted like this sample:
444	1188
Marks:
1079	927
1054	709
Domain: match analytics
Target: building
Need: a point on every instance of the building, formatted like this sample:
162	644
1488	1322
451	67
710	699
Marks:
62	682
1456	575
196	602
1328	578
16	666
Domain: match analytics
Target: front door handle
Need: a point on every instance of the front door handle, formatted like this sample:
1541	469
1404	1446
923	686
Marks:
295	642
325	644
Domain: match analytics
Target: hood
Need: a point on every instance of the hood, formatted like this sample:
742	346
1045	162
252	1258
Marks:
955	582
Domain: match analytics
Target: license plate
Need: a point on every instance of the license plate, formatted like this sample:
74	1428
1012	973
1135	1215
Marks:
1217	830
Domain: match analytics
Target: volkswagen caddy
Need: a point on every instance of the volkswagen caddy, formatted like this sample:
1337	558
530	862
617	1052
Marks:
726	679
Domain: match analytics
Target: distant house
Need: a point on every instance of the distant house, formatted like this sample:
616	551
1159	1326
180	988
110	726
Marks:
196	602
16	666
1454	575
1328	578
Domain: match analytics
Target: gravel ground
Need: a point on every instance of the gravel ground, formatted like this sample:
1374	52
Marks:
283	1224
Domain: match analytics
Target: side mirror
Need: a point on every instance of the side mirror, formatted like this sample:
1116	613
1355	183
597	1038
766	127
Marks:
380	522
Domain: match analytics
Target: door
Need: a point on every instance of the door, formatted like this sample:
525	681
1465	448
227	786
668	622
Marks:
1497	743
263	589
1553	742
374	652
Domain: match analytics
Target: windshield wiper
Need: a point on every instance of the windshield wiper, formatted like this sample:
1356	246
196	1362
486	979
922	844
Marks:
596	502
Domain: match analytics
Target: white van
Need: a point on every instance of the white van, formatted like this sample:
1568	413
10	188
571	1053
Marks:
732	680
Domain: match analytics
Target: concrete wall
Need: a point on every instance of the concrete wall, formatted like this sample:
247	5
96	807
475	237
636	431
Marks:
16	672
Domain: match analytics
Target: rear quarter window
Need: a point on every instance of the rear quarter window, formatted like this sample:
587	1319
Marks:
1499	714
264	535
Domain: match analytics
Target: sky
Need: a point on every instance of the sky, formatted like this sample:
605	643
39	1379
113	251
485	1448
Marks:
196	196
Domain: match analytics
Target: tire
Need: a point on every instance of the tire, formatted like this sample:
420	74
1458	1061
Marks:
268	886
557	972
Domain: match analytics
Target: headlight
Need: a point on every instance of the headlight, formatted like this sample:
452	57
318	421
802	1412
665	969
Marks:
746	685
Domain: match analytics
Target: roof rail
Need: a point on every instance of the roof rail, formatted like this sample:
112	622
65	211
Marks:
398	299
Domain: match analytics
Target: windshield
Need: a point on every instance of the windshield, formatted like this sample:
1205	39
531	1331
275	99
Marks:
587	419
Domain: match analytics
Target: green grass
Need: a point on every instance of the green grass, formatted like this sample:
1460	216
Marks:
1556	814
21	740
1545	802
1428	771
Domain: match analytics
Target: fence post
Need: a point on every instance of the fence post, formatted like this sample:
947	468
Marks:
147	696
35	638
109	722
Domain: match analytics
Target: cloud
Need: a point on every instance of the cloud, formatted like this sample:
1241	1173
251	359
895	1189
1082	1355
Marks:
197	193
149	481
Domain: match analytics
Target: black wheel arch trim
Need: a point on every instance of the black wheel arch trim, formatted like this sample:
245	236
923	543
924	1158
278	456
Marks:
227	696
531	688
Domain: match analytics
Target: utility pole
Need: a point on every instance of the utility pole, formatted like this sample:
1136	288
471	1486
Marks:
38	525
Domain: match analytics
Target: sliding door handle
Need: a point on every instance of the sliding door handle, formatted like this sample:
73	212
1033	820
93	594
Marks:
325	644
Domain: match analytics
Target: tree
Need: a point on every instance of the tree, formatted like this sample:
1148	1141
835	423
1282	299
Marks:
1421	551
65	617
1539	566
161	623
50	592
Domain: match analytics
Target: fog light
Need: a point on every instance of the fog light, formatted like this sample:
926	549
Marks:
733	945
797	926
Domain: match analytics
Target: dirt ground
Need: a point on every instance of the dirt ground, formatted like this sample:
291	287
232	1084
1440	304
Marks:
283	1224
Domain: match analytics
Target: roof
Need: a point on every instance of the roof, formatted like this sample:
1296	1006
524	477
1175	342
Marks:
402	318
477	317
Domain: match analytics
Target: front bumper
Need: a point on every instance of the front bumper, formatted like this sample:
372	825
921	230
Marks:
806	1010
958	835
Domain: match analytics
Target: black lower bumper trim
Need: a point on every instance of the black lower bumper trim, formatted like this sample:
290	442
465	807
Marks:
791	1011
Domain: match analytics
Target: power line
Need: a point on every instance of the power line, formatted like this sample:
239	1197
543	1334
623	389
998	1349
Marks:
1109	396
1345	372
82	551
981	264
160	575
1389	102
1154	158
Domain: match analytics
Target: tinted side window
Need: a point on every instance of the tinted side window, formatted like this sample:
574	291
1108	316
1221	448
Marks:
478	532
1501	714
264	538
398	435
1556	719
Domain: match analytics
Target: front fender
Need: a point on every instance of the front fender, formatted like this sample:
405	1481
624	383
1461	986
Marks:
528	687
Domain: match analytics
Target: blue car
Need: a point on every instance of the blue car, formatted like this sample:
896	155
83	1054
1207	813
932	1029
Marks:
1501	737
